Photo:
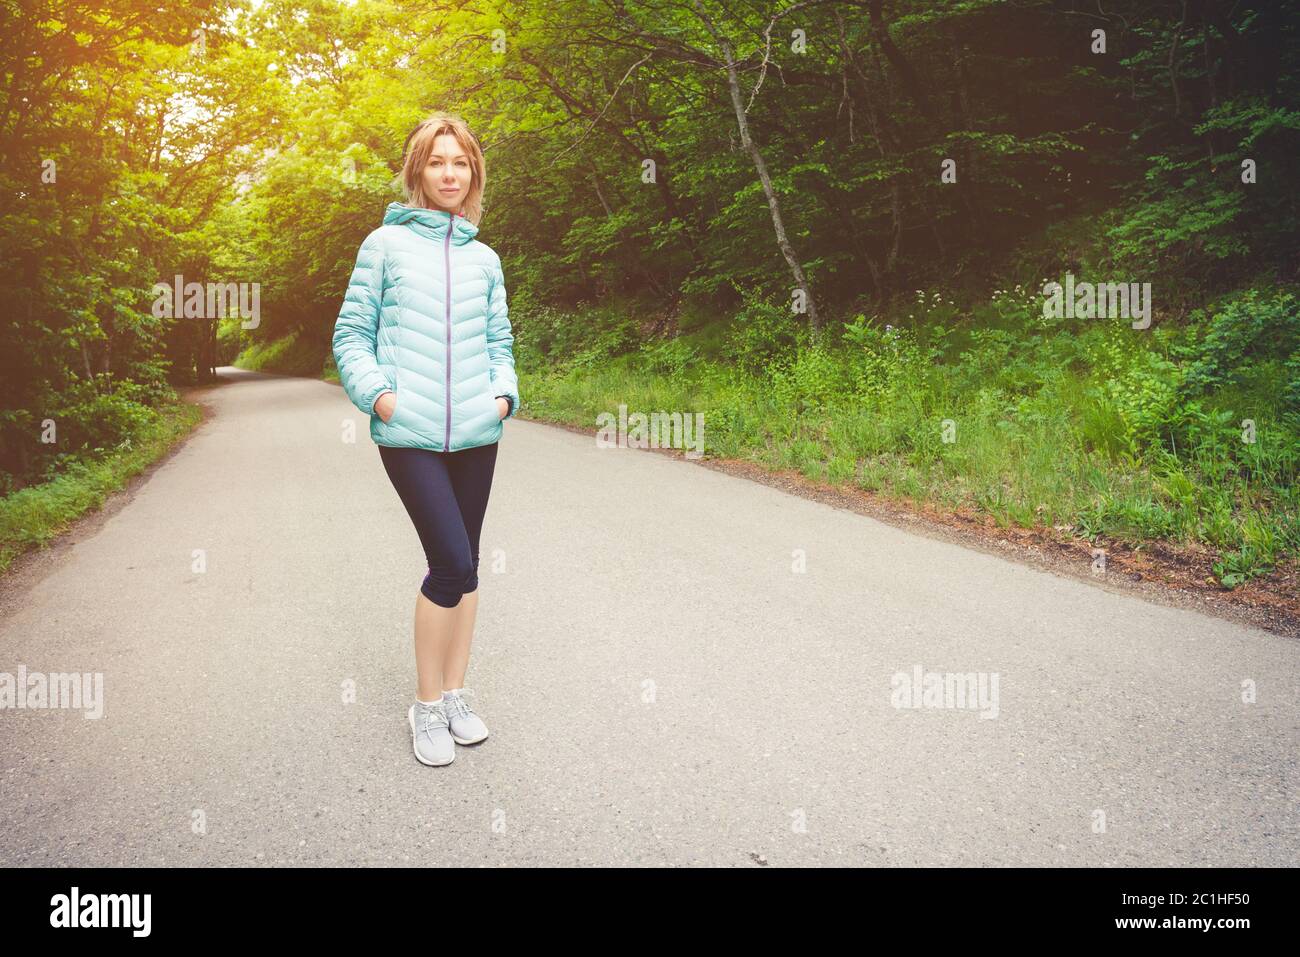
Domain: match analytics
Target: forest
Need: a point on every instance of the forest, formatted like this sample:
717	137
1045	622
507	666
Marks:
834	228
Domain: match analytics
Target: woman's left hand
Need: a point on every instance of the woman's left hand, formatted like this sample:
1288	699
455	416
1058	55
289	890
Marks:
503	408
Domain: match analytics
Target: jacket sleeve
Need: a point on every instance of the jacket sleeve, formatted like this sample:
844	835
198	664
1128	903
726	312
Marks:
357	325
500	343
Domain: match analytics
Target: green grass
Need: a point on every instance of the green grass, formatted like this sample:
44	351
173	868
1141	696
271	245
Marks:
1083	428
33	516
288	355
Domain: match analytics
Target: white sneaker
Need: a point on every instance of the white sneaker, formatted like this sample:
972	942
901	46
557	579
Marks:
466	727
430	735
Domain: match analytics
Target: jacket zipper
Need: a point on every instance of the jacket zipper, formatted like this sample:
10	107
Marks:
446	445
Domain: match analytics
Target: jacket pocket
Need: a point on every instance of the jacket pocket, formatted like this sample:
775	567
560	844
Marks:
492	401
391	378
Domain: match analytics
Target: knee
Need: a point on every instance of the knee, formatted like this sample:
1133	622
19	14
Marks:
446	583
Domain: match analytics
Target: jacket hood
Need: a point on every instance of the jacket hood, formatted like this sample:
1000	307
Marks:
431	223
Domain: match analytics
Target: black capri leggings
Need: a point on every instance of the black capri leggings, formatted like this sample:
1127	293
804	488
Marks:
446	495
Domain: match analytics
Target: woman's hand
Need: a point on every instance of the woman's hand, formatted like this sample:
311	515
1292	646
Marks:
385	404
503	408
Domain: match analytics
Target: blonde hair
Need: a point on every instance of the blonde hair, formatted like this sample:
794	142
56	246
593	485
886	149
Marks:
419	144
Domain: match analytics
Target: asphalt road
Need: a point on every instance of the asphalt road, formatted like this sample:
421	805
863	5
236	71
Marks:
677	667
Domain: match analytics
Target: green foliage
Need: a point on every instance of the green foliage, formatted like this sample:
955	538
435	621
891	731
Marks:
31	517
289	355
887	360
816	379
668	357
230	340
617	337
1094	429
564	338
764	333
1143	392
1253	326
97	414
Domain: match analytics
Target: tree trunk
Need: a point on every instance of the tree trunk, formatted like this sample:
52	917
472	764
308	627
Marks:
911	83
773	203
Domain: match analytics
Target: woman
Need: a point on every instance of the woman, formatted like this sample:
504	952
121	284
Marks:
423	346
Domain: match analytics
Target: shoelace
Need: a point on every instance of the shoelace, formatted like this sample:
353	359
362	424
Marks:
428	719
456	704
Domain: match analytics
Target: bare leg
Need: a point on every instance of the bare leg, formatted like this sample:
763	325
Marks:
462	634
433	630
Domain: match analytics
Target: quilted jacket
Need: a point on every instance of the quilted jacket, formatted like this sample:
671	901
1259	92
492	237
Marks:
425	317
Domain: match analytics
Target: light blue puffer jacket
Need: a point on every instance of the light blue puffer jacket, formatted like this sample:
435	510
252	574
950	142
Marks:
425	317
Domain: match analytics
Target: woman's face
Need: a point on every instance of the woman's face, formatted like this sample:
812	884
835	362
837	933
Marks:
447	175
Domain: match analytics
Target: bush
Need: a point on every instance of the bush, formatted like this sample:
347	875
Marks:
815	380
763	332
230	340
1255	326
668	357
96	415
886	361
